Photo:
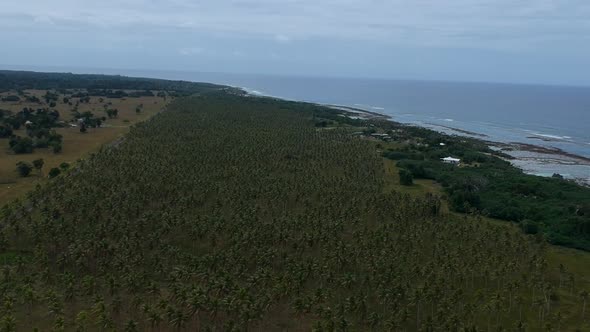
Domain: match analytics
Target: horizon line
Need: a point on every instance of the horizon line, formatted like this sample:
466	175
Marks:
90	69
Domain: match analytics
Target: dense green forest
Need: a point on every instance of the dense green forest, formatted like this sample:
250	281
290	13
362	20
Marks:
233	213
557	208
22	80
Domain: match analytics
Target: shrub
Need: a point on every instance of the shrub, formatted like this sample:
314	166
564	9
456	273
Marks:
529	227
11	98
395	155
21	145
461	200
41	142
38	164
54	172
33	99
405	177
23	168
12	122
416	168
56	147
5	131
112	113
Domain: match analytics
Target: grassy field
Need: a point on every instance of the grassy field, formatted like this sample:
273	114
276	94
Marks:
76	145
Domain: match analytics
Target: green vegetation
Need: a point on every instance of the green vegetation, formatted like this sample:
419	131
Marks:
5	131
98	85
20	145
238	213
23	168
406	177
38	126
485	183
11	98
70	117
112	113
38	164
54	172
39	121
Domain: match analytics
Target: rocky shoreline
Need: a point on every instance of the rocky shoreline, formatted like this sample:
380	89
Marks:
531	158
359	113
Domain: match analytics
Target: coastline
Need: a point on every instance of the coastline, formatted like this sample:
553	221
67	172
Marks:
462	131
361	113
530	158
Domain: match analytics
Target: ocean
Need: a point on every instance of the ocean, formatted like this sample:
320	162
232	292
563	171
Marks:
546	116
542	115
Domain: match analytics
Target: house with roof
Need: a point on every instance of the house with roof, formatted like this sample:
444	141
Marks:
451	160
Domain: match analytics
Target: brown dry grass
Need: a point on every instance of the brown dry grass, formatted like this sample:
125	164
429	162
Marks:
76	145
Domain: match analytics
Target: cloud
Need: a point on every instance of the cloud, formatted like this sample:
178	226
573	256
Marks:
43	19
191	51
453	23
282	39
239	53
348	37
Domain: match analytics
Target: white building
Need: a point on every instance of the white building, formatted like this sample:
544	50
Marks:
451	160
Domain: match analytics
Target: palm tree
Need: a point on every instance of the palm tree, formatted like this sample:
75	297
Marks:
584	297
82	321
416	299
131	326
373	320
572	282
488	307
8	323
155	318
519	301
178	319
59	324
562	271
520	326
270	211
540	303
559	320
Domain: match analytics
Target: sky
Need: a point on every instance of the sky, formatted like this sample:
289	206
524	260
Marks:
514	41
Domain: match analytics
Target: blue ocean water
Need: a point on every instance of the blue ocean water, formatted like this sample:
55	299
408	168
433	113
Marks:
549	116
554	116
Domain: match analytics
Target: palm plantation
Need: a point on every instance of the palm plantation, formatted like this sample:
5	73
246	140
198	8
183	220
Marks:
235	213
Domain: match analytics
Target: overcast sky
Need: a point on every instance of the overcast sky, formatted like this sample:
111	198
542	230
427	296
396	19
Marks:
539	41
